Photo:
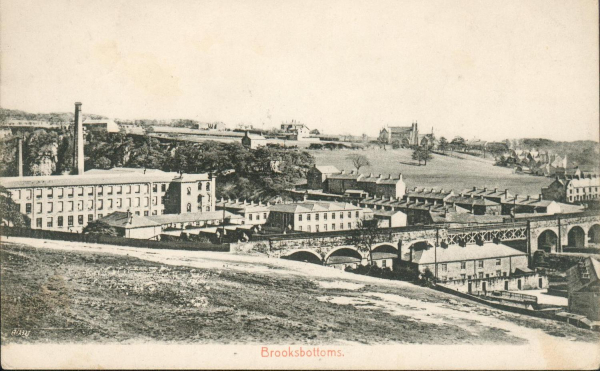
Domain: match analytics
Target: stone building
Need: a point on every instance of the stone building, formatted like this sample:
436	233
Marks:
69	202
405	135
584	288
252	213
316	216
317	175
374	185
129	225
466	262
297	130
253	141
575	190
106	125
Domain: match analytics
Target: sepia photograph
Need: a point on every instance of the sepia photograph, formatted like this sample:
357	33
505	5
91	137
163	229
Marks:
299	184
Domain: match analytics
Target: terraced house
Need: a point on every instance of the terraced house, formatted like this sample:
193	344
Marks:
317	216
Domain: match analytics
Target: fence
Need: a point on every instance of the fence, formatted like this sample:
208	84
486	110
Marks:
515	296
121	241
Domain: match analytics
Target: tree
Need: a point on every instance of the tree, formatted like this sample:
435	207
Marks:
396	144
100	227
11	215
443	144
358	160
365	236
458	143
421	154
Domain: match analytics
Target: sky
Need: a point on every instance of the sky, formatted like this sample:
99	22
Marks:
482	69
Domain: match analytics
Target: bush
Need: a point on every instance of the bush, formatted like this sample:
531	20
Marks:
399	273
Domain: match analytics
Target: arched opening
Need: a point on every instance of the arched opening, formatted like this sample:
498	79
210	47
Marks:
304	256
384	256
385	249
594	234
576	237
547	241
344	257
412	248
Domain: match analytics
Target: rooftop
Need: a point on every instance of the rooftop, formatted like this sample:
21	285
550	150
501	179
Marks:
122	219
327	169
310	206
192	217
94	177
457	253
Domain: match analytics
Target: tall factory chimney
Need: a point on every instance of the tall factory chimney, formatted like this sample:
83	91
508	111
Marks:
20	155
78	141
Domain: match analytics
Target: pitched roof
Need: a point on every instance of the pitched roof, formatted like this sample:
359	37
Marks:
97	177
340	259
121	219
584	182
429	193
472	201
346	176
583	274
469	252
399	129
327	169
303	207
192	217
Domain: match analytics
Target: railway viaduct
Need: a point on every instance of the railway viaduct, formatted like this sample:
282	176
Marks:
549	233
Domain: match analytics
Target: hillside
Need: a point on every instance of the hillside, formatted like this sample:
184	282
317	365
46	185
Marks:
88	293
228	298
582	152
446	172
51	117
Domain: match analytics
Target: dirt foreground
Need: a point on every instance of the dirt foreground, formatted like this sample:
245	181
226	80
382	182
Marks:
57	293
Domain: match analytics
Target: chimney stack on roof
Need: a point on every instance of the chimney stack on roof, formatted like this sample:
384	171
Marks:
474	189
540	197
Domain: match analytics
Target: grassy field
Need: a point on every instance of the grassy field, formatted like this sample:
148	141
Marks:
54	295
441	172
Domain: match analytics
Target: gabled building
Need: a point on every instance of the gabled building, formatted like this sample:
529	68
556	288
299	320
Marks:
106	125
583	282
475	205
466	262
252	213
297	129
405	135
575	190
129	225
253	141
317	176
69	202
316	216
374	185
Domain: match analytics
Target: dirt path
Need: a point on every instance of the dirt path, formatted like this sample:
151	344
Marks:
421	306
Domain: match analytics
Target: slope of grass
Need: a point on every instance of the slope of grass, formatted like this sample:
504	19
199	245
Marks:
441	172
75	296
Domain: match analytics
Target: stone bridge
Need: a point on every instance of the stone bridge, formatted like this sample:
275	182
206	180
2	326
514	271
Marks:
575	230
553	234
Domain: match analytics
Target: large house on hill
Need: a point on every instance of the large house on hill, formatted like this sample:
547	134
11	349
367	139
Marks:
405	135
